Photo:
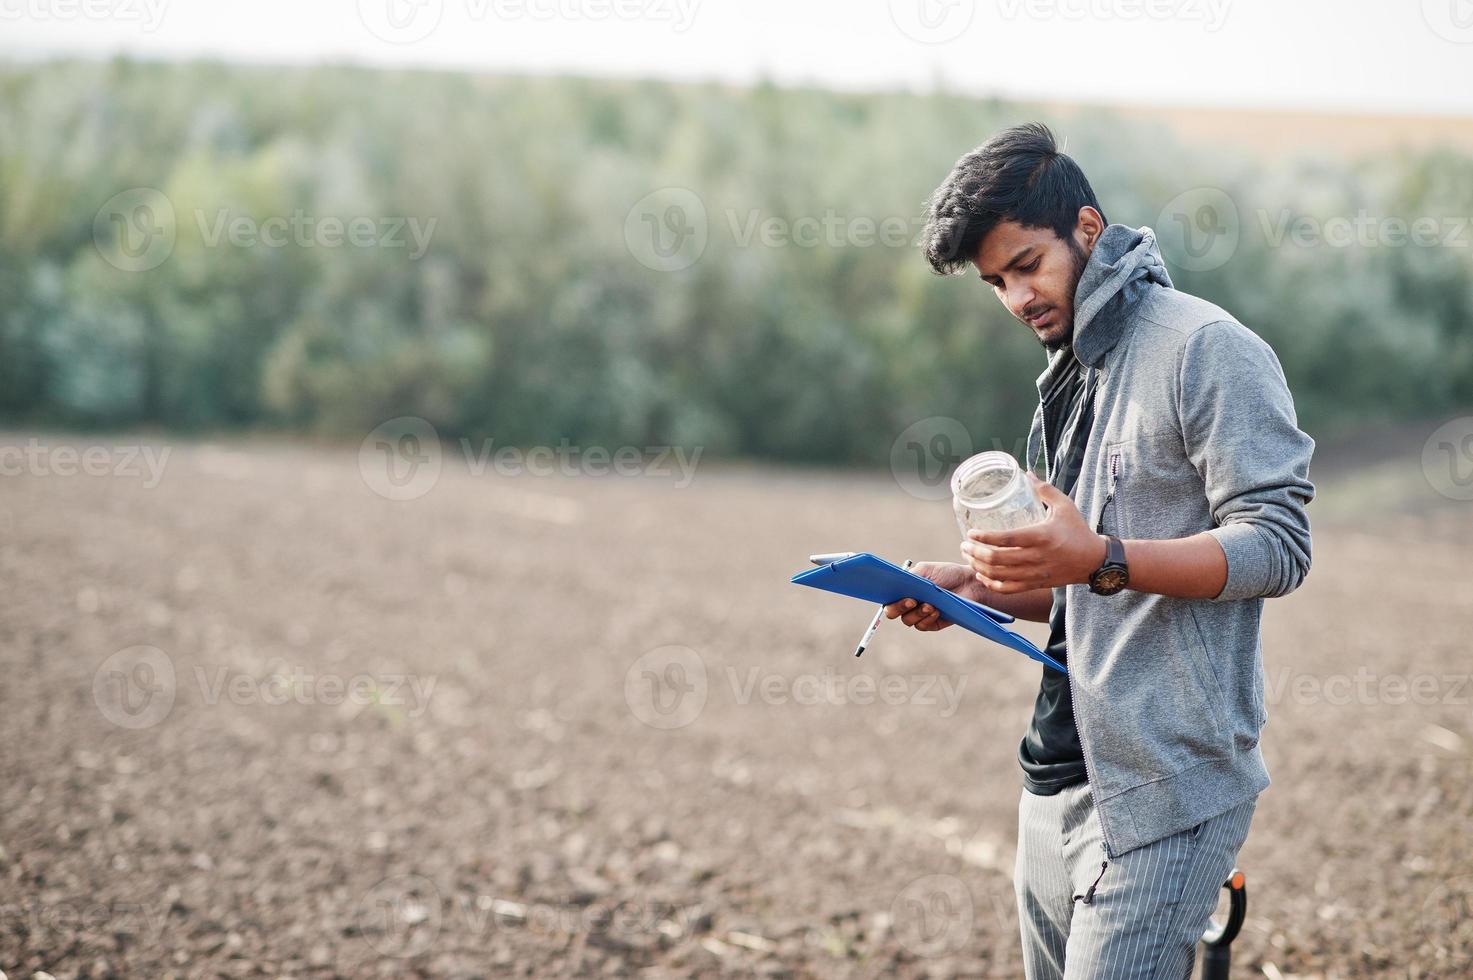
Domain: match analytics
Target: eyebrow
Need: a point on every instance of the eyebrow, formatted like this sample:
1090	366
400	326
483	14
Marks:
1015	260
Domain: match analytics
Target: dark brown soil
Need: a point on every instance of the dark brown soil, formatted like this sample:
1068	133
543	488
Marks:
468	777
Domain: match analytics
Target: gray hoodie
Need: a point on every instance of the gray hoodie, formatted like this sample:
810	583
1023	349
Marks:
1195	431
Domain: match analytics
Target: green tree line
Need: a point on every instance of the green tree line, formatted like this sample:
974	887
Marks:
204	248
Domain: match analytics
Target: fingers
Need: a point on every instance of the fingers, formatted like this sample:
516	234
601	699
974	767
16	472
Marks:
1010	586
1022	537
1005	570
912	614
999	557
932	623
918	615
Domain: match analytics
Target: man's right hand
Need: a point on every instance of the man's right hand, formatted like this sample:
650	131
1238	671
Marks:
951	577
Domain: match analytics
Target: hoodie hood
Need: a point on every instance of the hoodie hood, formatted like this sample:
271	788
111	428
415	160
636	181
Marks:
1124	264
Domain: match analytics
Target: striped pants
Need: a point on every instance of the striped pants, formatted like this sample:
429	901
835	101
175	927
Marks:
1139	915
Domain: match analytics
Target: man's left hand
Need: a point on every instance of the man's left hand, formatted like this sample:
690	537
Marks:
1062	549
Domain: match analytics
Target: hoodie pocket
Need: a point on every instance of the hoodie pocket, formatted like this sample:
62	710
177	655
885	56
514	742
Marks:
1206	673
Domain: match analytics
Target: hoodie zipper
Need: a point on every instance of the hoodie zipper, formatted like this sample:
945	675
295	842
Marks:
1073	698
1110	490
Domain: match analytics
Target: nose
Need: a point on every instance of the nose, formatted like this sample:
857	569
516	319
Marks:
1024	299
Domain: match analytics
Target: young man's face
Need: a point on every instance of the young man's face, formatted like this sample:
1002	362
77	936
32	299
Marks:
1034	273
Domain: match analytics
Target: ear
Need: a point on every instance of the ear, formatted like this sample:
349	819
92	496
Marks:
1089	226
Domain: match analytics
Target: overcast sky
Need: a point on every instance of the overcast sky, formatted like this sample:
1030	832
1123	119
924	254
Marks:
1379	55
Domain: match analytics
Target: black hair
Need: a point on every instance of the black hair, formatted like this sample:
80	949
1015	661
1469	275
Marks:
1017	175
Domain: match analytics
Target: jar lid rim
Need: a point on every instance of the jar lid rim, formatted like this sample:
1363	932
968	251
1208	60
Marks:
991	459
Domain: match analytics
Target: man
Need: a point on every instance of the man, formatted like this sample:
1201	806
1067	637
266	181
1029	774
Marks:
1177	481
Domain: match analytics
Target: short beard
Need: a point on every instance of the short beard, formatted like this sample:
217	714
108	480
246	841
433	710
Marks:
1079	258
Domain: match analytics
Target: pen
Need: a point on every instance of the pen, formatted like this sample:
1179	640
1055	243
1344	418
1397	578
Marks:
829	559
874	624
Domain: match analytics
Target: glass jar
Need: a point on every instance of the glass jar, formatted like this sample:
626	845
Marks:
990	492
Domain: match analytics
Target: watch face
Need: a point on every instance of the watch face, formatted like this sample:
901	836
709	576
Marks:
1110	581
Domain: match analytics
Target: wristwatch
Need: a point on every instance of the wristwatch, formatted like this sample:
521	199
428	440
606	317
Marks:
1113	575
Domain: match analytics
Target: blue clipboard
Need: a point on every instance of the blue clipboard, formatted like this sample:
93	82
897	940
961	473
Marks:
873	579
